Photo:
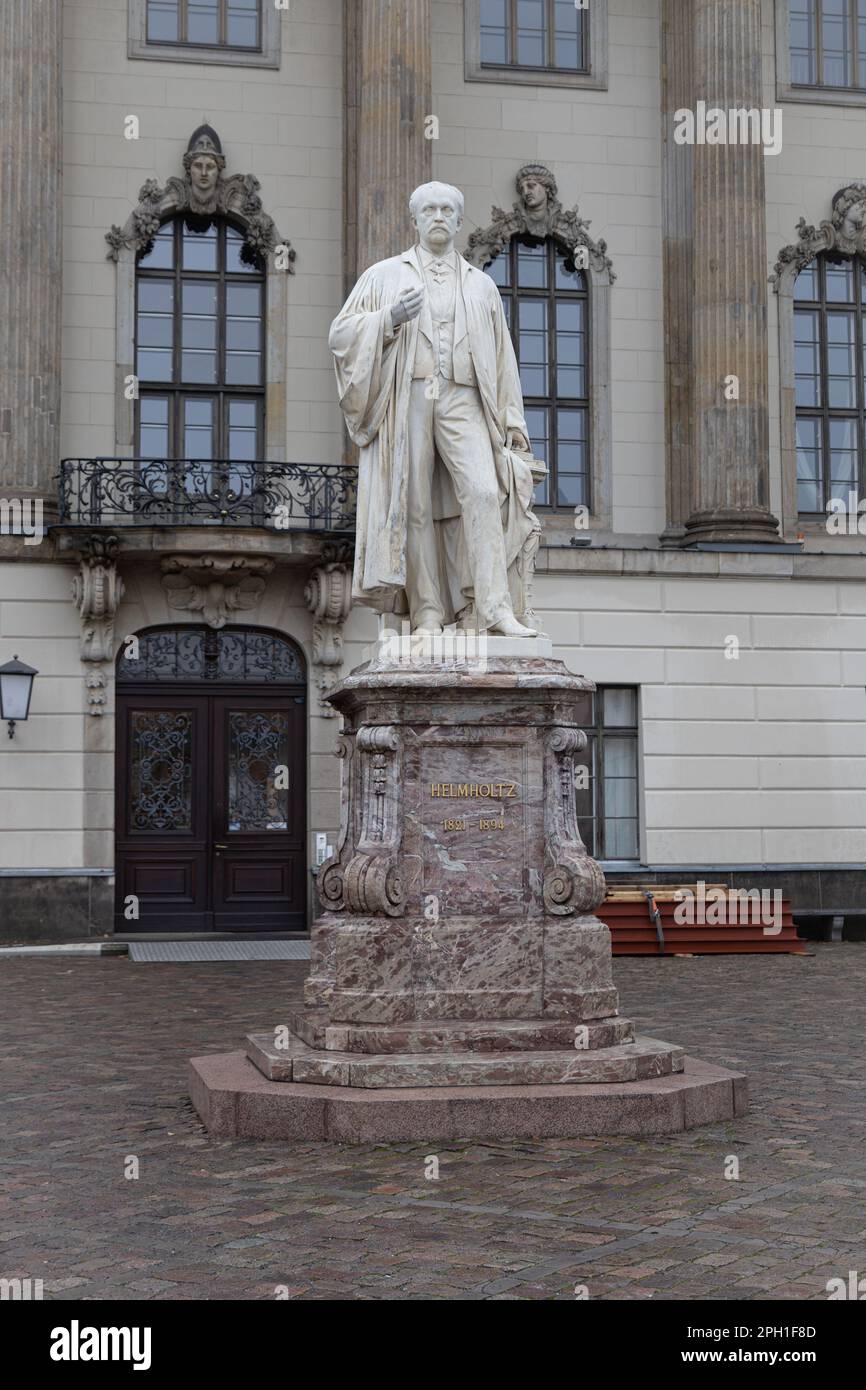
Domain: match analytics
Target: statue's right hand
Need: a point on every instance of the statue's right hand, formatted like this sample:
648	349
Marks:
408	306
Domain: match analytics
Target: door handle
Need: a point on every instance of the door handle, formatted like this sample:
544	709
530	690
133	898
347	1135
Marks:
220	846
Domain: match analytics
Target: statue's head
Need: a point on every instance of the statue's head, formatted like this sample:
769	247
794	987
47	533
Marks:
437	211
849	212
535	186
203	162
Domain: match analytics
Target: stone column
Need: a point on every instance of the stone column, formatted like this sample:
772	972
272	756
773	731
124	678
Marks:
388	96
716	282
677	75
30	238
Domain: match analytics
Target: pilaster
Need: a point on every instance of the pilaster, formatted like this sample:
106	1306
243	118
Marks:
30	235
388	97
715	280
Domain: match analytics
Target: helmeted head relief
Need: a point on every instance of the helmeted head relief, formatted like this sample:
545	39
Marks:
436	190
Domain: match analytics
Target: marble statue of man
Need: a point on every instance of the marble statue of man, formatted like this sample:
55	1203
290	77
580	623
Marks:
430	389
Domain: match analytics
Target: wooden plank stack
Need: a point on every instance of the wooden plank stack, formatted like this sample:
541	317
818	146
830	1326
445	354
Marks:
642	921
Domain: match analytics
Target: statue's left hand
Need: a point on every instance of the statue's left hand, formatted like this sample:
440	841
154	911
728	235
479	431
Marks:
516	439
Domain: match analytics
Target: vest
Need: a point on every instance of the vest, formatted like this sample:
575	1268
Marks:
435	354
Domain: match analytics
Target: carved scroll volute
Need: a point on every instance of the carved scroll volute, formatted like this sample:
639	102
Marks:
97	589
328	595
573	881
373	881
330	881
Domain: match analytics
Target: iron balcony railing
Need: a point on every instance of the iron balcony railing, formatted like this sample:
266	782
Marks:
193	492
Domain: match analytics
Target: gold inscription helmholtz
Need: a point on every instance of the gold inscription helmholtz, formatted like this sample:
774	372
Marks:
496	791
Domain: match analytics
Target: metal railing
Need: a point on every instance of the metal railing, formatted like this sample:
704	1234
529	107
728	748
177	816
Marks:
192	492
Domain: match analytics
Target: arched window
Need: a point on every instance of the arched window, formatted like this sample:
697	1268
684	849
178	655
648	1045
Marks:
199	344
193	653
829	365
546	302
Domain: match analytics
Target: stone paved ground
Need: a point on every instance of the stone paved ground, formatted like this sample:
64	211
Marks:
94	1055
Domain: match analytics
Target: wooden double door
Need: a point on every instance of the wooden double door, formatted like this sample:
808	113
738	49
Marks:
210	816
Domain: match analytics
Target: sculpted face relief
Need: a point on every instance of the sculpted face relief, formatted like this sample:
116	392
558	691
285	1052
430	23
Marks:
204	173
533	193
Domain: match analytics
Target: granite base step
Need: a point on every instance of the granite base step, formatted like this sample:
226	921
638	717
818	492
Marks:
299	1064
313	1027
235	1101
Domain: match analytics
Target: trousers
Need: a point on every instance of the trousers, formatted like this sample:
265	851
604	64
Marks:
449	421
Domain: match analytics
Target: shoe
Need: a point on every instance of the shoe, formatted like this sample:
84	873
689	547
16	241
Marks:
508	626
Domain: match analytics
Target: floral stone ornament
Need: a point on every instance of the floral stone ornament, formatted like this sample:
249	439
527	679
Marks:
844	232
204	191
538	213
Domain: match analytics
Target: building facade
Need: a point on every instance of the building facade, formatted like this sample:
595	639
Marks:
671	196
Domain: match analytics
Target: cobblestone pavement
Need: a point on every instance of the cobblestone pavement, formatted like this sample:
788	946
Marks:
94	1055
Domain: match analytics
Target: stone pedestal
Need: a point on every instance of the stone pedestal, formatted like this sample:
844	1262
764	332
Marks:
458	950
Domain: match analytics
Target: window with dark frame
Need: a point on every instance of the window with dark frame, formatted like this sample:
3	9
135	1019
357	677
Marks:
546	301
607	808
828	43
543	34
200	347
210	23
829	367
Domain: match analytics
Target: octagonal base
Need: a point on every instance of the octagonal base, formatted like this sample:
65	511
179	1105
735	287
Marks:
235	1101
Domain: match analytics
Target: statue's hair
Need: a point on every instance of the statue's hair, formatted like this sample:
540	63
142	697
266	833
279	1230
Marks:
415	200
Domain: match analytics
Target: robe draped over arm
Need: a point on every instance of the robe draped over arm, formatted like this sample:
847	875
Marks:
364	346
369	362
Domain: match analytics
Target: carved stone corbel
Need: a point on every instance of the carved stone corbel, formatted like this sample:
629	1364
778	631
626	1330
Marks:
216	586
373	880
97	589
328	595
573	881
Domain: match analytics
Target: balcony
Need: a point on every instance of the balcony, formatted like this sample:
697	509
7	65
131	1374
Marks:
145	492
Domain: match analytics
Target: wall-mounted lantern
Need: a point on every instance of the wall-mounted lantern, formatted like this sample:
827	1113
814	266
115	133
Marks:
16	687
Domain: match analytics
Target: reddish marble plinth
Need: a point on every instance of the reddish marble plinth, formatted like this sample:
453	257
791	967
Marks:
460	984
236	1102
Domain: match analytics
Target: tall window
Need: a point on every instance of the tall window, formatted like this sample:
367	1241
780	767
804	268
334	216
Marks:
546	304
828	43
200	345
534	34
212	23
607	809
829	365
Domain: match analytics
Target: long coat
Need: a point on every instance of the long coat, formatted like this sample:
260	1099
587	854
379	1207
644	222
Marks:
374	378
